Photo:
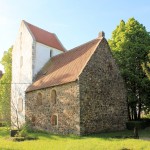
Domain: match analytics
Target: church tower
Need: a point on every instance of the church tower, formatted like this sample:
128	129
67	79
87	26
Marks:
32	49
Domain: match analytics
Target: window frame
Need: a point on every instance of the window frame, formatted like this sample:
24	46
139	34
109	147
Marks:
20	105
21	61
51	53
54	122
33	120
53	96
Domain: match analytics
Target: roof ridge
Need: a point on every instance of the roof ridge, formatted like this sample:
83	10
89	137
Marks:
84	44
73	49
39	27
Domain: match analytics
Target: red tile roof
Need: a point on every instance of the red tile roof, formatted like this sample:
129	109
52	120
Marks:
65	67
45	37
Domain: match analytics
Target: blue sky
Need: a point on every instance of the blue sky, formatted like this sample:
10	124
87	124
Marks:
74	21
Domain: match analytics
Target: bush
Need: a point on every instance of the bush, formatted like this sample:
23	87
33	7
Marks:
147	121
3	124
132	124
22	133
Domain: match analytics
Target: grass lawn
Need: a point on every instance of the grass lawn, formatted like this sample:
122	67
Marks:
104	141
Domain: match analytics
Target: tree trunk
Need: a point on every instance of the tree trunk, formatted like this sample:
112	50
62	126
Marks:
139	111
128	109
132	113
135	112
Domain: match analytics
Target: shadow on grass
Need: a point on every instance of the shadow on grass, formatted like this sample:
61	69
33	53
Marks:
113	135
56	136
2	148
126	134
105	136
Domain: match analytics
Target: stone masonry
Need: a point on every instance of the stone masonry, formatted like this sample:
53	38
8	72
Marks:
67	108
95	102
102	94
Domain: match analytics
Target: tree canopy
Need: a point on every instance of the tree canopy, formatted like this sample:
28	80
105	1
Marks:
5	86
130	45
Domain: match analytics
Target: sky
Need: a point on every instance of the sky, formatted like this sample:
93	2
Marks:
73	21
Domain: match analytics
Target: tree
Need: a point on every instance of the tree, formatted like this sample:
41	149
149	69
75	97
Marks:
5	86
130	44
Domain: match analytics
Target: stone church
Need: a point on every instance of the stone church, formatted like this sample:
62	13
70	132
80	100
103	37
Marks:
79	91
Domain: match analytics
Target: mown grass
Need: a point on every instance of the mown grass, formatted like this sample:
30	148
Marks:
104	141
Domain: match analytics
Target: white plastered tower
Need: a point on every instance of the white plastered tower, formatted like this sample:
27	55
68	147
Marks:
28	57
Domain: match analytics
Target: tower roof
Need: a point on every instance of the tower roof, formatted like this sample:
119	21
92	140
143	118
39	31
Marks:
45	37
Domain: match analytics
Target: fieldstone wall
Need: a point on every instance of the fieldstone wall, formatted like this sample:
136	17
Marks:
66	109
102	94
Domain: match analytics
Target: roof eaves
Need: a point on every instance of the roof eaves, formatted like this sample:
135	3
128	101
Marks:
27	91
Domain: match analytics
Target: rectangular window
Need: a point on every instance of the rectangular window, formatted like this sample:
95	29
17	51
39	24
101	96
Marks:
51	53
20	104
21	61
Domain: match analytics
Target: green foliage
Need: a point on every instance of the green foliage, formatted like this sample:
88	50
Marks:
22	133
5	86
130	44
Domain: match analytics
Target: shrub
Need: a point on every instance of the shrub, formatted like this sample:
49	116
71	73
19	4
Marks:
132	124
3	124
147	121
22	133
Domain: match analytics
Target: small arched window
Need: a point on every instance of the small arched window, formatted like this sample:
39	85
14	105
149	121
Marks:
39	99
21	61
33	120
53	96
20	40
54	120
20	104
110	67
51	53
20	34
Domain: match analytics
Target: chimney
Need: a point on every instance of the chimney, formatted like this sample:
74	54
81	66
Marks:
101	34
